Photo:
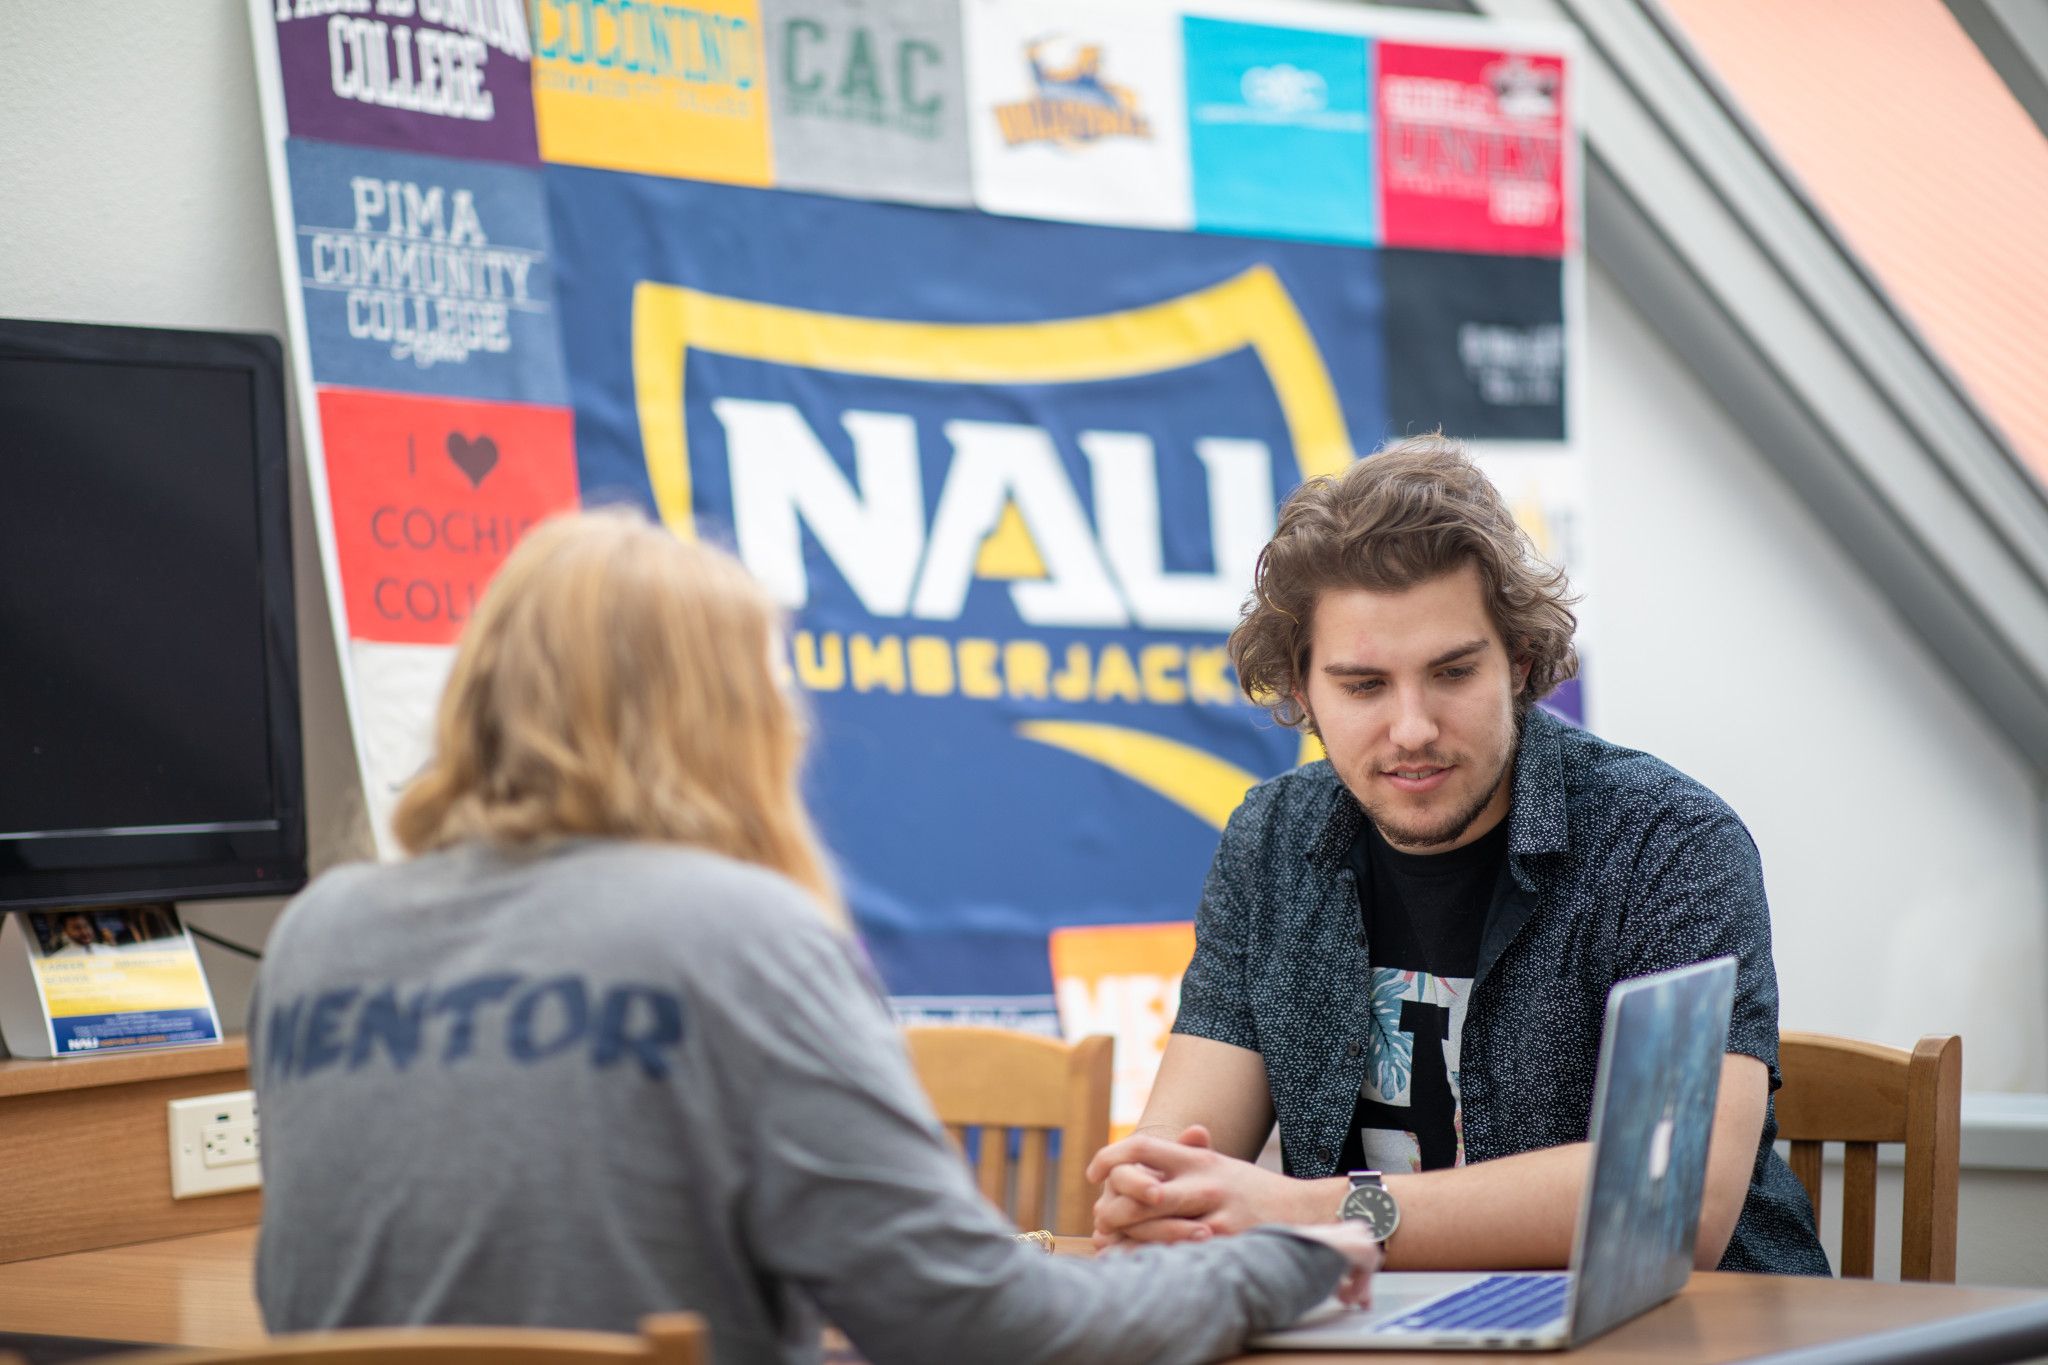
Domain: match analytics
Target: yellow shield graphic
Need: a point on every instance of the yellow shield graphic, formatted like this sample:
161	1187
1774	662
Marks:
1251	310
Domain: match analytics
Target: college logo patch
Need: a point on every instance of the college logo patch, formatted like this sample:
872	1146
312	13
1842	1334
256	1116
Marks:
1482	344
425	275
869	98
1280	130
1077	111
429	495
1472	149
1074	102
670	89
448	78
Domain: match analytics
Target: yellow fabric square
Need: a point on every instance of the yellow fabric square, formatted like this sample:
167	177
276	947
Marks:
658	89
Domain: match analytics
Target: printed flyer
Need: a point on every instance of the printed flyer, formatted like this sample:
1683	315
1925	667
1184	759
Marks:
106	978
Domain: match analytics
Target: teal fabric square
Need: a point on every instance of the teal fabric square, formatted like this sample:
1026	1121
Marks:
1280	131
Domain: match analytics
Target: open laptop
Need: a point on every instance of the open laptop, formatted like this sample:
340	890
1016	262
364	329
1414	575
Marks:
1653	1113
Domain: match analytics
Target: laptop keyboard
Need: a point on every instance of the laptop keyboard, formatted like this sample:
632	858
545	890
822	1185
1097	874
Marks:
1498	1303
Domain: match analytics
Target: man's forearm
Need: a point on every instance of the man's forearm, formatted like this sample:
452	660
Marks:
1517	1212
1522	1211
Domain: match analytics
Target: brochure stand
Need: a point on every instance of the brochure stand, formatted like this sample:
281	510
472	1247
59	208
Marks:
90	980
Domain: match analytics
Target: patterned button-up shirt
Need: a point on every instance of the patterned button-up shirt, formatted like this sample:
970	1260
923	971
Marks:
1618	866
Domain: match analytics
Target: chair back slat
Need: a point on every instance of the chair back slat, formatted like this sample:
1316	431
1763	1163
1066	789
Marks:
1007	1086
1033	1167
994	1170
1859	1210
1805	1164
1861	1094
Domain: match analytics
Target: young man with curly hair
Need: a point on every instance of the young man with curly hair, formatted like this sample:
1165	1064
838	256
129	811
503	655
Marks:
1403	953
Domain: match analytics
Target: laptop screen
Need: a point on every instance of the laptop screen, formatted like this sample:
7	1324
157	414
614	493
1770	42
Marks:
1653	1116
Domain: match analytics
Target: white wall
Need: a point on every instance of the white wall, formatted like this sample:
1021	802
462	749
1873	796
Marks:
132	190
1901	839
1902	842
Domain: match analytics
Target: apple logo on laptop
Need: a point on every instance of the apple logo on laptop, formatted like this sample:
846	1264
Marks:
1660	1146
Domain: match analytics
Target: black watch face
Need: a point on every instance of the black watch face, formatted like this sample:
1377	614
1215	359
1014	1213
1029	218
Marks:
1374	1207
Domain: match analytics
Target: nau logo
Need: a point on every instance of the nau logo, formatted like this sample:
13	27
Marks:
1074	103
1006	508
855	78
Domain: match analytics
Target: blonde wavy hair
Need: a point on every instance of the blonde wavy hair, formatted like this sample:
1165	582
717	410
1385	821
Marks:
619	682
1414	509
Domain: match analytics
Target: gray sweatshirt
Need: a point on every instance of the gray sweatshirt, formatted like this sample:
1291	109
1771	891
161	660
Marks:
575	1086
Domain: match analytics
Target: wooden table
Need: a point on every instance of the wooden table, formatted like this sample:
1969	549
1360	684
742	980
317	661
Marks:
1722	1317
196	1291
187	1291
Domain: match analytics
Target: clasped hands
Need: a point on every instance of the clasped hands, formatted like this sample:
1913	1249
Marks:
1183	1190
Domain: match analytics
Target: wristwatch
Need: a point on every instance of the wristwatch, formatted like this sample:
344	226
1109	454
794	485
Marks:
1371	1205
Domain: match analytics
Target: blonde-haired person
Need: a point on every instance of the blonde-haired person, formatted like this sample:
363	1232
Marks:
601	1047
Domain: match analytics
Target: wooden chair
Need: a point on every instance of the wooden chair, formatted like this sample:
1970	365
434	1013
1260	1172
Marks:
998	1080
665	1339
1861	1094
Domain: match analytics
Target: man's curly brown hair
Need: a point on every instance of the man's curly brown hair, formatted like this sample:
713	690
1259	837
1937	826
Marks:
1414	509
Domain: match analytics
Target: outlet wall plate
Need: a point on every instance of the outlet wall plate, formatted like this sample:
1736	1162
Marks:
214	1144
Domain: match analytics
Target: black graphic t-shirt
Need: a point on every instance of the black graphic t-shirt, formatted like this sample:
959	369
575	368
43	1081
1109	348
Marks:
1424	915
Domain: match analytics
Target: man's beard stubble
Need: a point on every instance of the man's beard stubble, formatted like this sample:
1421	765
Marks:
1418	841
1447	832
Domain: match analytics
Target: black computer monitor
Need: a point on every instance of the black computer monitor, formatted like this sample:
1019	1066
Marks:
149	703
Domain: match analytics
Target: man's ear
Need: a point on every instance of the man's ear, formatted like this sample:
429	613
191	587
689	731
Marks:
1522	667
1308	717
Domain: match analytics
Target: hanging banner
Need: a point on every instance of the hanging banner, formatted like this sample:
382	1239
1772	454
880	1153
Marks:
989	334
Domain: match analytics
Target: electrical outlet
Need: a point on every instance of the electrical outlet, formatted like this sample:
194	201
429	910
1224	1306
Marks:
214	1144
